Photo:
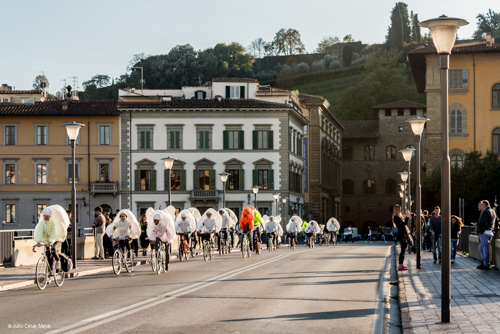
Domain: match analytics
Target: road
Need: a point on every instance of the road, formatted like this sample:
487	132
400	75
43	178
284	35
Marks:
323	289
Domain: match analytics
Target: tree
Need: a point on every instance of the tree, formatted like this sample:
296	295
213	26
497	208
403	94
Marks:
415	29
490	22
40	82
287	42
326	42
399	32
137	58
98	80
383	59
348	39
257	47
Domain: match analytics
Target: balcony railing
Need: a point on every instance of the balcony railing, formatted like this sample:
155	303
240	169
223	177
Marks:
204	194
104	188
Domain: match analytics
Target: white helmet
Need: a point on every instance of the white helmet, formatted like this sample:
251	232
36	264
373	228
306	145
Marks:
157	217
47	212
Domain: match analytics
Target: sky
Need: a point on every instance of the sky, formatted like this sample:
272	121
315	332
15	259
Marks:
67	39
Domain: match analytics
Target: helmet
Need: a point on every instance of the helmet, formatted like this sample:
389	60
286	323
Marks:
221	209
47	212
157	217
183	215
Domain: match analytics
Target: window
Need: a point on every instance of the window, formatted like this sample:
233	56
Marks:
390	187
459	79
233	181
233	139
369	187
41	173
457	161
104	135
145	139
388	112
496	141
144	175
10	135
263	140
369	152
456	123
70	172
263	179
495	97
401	112
348	187
413	112
10	213
204	179
347	152
204	140
235	92
41	135
174	139
145	179
200	95
104	172
10	173
347	209
390	152
175	179
39	209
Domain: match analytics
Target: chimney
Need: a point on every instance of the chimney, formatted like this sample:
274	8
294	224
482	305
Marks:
64	106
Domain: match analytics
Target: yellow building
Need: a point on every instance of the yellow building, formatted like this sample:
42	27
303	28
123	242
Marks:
36	159
474	99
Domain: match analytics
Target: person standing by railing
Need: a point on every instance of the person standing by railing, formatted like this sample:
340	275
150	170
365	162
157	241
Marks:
99	226
485	226
456	229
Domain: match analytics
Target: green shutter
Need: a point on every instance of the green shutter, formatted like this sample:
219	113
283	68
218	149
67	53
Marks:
241	139
242	179
141	139
196	180
207	139
183	179
242	92
177	139
148	139
165	179
137	180
212	179
228	92
171	140
228	178
200	139
255	178
153	180
255	135
270	139
225	139
271	179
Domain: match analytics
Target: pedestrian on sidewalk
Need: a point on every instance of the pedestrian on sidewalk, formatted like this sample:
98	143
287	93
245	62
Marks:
144	235
485	227
399	222
456	229
435	227
427	233
99	226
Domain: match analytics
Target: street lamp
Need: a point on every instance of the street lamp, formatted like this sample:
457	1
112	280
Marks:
284	199
417	126
223	177
444	33
404	177
401	194
407	153
72	130
276	197
255	191
169	162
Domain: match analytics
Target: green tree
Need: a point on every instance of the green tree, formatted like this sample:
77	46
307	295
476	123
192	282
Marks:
383	59
489	22
415	29
98	80
40	82
288	42
326	42
348	39
257	47
399	32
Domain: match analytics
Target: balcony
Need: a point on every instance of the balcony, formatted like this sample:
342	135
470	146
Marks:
204	195
104	188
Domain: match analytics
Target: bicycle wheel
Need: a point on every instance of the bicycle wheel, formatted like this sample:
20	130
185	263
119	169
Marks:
181	252
244	244
186	251
205	250
128	258
59	276
293	242
153	260
270	244
41	273
160	263
211	253
117	262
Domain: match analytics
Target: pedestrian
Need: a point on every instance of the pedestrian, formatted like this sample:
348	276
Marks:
108	243
426	232
456	229
99	227
369	235
144	234
485	226
348	234
394	232
382	233
435	227
399	222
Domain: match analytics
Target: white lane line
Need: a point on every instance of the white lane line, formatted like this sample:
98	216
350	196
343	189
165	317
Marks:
92	322
378	326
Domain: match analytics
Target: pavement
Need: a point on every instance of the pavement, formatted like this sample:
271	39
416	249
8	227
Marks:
475	297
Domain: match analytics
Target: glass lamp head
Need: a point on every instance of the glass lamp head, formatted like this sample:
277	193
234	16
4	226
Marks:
169	162
444	32
72	129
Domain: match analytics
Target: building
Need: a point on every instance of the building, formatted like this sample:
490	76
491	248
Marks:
371	162
474	99
10	95
36	164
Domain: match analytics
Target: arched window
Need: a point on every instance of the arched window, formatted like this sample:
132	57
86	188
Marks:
347	152
369	187
456	121
495	97
390	186
457	160
348	187
390	152
369	152
496	141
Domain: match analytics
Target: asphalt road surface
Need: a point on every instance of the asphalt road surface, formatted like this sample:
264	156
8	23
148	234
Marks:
322	290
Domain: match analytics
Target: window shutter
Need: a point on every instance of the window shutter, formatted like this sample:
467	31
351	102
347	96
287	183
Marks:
242	179
255	178
207	139
242	92
196	180
465	78
141	139
270	139
228	178
255	139
165	179
177	139
212	179
228	92
225	139
241	139
200	139
204	95
137	180
183	179
271	179
148	139
153	180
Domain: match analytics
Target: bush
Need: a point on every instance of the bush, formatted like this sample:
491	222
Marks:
335	65
302	68
318	65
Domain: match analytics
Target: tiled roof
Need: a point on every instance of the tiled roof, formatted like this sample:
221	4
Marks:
202	104
55	108
400	104
460	49
309	97
19	92
234	80
361	129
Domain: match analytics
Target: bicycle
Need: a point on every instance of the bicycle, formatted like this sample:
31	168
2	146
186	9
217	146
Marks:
207	246
245	246
161	257
225	243
270	242
326	238
122	259
292	241
334	239
256	242
312	239
184	248
46	269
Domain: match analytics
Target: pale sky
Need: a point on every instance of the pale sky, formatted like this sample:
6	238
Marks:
64	39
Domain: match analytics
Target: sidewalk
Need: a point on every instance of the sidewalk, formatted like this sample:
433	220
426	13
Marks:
475	297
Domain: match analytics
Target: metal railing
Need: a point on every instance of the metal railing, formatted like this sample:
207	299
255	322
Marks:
103	188
204	194
463	241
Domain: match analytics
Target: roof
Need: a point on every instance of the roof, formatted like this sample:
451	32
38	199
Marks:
400	104
55	108
367	129
19	92
234	80
202	104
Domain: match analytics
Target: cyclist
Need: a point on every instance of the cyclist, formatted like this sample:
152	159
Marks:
246	226
226	226
123	229
207	227
233	221
271	229
185	227
258	227
304	225
159	232
311	230
293	228
51	230
333	227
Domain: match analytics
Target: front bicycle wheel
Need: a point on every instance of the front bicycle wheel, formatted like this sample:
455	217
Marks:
117	262
59	276
269	244
41	273
153	260
129	261
205	250
211	251
160	263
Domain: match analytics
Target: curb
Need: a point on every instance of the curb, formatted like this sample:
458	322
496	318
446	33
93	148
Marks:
403	302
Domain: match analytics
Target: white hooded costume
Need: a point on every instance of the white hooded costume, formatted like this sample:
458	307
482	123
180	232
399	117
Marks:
214	223
333	225
55	229
165	229
313	227
186	226
234	218
119	229
294	225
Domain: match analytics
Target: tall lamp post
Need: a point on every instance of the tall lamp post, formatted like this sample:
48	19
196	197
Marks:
407	153
255	191
402	195
169	162
223	177
444	33
284	199
72	130
276	197
417	126
404	177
